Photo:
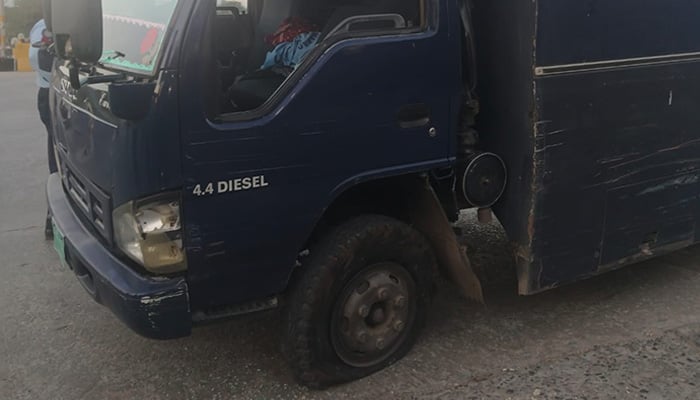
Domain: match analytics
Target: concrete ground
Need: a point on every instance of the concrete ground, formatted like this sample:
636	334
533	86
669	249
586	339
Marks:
633	333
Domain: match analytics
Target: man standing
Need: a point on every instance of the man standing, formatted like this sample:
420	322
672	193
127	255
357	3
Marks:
42	62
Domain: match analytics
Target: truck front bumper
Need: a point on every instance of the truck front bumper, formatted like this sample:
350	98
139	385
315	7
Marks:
154	307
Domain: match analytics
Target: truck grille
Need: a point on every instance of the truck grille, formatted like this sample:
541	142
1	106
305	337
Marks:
91	203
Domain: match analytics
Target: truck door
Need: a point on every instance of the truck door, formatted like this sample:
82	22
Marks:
371	99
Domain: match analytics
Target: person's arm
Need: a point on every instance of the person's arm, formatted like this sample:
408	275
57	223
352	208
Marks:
35	37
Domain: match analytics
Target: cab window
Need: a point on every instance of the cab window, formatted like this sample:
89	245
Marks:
258	44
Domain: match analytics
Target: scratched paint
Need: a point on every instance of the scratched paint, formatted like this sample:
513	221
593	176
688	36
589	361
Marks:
609	171
156	300
675	182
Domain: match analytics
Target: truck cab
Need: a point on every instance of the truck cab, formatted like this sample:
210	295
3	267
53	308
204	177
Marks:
221	158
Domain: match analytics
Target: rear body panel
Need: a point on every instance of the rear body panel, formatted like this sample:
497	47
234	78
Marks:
611	112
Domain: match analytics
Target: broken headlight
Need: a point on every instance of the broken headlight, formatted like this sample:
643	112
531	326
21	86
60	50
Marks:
150	233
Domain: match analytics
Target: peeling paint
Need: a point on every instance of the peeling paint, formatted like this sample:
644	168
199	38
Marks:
643	254
679	181
557	132
549	147
657	152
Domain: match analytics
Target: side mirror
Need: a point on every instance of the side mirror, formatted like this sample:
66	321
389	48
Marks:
77	29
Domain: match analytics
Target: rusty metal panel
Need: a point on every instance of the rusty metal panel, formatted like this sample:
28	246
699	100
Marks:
505	54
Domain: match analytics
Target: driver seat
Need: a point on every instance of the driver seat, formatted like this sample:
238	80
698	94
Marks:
251	90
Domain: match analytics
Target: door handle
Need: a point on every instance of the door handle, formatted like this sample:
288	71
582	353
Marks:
414	116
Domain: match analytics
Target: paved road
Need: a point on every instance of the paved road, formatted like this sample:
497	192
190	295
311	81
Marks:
633	333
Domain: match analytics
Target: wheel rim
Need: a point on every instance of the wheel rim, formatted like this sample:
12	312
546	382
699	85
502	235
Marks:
373	315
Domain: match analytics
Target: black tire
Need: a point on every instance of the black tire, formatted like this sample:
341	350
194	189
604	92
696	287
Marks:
366	259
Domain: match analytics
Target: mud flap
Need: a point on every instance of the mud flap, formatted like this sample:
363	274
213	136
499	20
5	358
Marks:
429	218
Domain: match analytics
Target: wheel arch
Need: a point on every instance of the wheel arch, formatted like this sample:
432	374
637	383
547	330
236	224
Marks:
411	199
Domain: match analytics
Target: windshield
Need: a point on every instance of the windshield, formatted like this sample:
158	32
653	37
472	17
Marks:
134	31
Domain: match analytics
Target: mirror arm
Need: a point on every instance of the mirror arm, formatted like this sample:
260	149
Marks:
77	83
74	75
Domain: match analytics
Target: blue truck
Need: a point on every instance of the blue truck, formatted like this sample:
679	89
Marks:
222	158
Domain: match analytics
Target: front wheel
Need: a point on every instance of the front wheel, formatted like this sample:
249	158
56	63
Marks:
360	302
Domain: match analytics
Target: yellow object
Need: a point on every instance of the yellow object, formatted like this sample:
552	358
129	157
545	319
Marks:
21	55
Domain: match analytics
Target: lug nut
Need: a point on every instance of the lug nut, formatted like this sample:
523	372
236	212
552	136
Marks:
364	311
380	344
383	294
398	326
400	301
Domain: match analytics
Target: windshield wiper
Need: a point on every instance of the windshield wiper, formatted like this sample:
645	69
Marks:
114	55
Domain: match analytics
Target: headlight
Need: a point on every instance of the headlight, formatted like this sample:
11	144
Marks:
150	232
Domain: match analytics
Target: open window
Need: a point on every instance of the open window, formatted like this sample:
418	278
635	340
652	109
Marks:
258	44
